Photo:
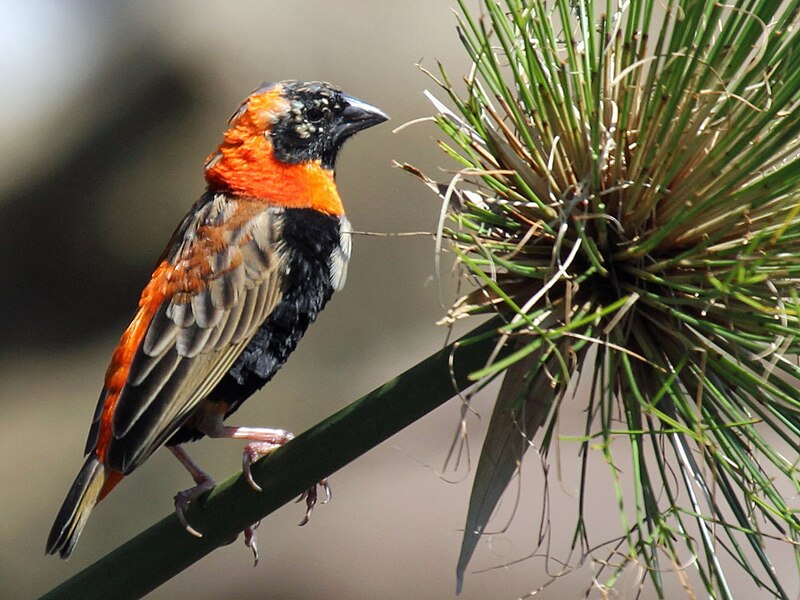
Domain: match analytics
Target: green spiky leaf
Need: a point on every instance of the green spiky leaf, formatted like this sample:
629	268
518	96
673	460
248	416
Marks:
629	180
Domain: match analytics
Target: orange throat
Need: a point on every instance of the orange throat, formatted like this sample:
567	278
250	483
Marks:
245	164
258	174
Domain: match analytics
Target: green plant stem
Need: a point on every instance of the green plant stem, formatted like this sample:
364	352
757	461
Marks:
165	549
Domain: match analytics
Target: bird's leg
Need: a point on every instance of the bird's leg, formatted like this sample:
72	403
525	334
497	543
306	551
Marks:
203	482
262	441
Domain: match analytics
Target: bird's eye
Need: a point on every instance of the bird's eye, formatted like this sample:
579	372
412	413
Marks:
314	114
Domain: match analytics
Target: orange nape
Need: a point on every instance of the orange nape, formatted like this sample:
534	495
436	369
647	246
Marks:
244	162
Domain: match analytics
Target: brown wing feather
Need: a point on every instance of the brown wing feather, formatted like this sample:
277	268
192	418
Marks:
226	276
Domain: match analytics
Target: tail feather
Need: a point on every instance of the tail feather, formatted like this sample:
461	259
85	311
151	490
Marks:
83	495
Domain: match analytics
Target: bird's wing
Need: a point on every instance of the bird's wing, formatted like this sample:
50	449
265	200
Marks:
217	284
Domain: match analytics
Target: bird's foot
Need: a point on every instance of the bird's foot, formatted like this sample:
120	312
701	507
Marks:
250	541
311	496
255	450
182	500
203	481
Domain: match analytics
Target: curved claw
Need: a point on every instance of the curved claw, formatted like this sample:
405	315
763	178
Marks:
247	460
328	493
311	497
182	500
255	450
250	541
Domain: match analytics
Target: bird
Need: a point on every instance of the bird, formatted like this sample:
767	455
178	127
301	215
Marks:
247	270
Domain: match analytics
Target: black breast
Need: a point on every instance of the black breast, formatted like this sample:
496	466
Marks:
310	239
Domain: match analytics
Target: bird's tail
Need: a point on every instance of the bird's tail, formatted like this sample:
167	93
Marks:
83	495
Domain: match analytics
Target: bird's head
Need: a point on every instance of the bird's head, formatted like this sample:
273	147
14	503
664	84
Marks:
316	121
283	131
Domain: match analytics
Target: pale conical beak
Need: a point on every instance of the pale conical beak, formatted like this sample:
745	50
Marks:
357	116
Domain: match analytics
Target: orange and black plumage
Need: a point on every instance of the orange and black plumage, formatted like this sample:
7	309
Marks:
251	265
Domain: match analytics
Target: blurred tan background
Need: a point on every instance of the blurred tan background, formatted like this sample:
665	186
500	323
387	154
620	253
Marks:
107	113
